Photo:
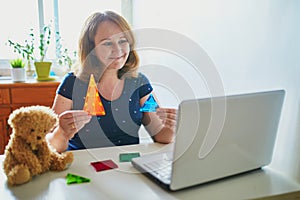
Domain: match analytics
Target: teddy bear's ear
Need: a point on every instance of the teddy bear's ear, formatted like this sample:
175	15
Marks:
51	115
16	117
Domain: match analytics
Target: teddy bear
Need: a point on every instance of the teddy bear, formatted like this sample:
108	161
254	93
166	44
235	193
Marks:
28	153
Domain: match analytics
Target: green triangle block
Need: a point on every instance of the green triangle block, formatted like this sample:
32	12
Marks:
150	105
73	179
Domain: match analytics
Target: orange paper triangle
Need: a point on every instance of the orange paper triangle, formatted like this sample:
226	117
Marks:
93	104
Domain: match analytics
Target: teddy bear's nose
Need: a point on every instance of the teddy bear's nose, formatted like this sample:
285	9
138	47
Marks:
38	137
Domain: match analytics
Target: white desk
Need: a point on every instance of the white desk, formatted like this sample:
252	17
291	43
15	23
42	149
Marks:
126	183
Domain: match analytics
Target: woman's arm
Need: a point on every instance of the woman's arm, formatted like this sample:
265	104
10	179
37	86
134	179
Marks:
161	124
70	122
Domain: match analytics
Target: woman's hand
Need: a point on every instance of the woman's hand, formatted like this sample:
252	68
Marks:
71	121
168	117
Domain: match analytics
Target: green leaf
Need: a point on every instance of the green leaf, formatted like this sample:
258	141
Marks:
17	63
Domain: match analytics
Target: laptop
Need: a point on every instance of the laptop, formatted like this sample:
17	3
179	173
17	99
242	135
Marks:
217	137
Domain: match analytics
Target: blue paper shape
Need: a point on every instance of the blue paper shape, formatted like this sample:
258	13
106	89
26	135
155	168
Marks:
150	105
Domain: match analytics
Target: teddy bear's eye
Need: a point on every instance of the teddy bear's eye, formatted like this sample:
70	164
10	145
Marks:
32	130
45	131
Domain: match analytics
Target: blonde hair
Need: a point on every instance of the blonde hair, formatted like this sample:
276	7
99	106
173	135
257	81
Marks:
89	63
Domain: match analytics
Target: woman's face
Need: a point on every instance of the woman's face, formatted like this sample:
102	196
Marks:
111	45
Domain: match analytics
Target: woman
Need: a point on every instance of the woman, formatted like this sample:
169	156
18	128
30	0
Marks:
106	50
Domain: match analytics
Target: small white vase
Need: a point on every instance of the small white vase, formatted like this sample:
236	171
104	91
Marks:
18	74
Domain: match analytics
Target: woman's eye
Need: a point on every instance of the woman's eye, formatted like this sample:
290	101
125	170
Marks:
107	43
123	41
110	43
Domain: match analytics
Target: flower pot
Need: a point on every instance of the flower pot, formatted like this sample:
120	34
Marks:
42	69
18	74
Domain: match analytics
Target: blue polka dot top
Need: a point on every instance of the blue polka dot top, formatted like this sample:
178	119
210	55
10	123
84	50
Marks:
122	121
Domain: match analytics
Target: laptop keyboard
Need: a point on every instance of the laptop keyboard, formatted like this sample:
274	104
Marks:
161	168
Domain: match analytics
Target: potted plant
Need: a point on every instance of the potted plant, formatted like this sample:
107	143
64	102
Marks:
64	57
43	67
27	52
18	73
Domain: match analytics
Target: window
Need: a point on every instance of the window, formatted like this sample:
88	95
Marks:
65	16
72	14
16	19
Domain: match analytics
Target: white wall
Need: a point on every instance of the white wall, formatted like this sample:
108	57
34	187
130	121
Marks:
255	45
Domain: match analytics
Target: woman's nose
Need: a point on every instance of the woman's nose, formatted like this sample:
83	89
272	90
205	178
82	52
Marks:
116	47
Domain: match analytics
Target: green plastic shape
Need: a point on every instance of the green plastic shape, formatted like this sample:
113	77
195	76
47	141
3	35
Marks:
74	179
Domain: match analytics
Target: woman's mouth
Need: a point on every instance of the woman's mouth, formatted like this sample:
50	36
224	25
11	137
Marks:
117	57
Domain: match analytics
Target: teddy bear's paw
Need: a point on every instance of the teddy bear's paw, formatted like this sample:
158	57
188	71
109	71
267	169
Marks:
62	162
18	175
69	157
